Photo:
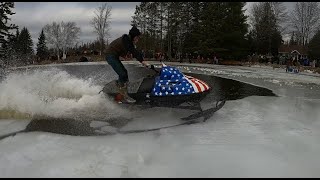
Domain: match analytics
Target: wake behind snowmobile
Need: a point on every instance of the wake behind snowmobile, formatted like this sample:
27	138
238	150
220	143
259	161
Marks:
169	87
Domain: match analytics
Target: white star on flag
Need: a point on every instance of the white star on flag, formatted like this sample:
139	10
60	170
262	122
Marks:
172	82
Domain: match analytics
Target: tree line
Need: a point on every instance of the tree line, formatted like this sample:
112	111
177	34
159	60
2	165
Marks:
222	28
56	38
192	27
177	29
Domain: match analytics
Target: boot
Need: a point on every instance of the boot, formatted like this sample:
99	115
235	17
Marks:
124	92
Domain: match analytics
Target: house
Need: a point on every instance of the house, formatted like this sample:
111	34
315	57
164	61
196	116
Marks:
296	51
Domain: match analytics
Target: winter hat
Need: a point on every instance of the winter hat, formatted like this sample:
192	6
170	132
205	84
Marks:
134	31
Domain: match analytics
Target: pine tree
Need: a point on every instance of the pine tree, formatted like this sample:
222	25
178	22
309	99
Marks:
190	27
223	28
5	12
42	50
160	15
276	41
194	35
140	20
25	46
251	44
314	46
234	28
11	56
266	28
16	42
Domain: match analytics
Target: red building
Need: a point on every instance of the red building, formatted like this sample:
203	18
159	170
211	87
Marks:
297	51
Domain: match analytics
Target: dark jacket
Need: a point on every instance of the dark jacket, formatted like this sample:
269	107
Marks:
123	45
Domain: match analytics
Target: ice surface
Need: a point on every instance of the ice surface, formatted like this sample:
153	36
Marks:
256	136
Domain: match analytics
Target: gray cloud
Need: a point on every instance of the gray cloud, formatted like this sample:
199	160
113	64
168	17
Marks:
35	15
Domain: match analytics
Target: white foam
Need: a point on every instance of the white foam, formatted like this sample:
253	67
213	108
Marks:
53	93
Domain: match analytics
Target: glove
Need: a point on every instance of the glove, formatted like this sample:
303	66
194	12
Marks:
150	66
147	65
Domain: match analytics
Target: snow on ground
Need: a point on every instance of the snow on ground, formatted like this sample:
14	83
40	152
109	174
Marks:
251	137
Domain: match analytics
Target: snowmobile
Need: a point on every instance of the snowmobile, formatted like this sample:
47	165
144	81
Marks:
169	88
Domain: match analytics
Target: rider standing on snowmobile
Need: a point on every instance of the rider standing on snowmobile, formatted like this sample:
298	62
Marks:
120	47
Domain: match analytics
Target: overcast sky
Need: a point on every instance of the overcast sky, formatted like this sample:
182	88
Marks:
35	15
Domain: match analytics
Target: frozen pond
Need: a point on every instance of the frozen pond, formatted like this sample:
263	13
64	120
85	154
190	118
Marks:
253	135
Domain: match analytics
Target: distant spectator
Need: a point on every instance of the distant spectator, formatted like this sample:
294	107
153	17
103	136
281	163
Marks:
189	57
198	58
289	65
313	63
215	60
306	62
162	57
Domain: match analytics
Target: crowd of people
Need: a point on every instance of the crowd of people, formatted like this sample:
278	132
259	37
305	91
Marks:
187	57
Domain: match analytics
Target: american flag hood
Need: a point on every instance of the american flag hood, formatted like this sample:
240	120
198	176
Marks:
172	82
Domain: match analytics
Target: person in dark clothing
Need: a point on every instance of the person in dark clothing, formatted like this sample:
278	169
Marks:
120	47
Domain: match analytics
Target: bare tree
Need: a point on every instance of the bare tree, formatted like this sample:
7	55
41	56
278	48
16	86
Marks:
304	20
70	34
61	36
53	34
101	24
255	14
281	15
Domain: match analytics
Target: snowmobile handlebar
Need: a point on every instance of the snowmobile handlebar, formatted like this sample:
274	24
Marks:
152	68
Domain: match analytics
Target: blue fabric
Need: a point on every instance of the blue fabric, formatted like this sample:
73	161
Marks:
171	82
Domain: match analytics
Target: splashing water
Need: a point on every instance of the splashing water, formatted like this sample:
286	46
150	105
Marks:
54	93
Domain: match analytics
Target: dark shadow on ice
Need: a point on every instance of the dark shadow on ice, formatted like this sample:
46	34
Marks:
229	89
65	126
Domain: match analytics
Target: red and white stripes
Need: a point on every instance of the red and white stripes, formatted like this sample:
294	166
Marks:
198	85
